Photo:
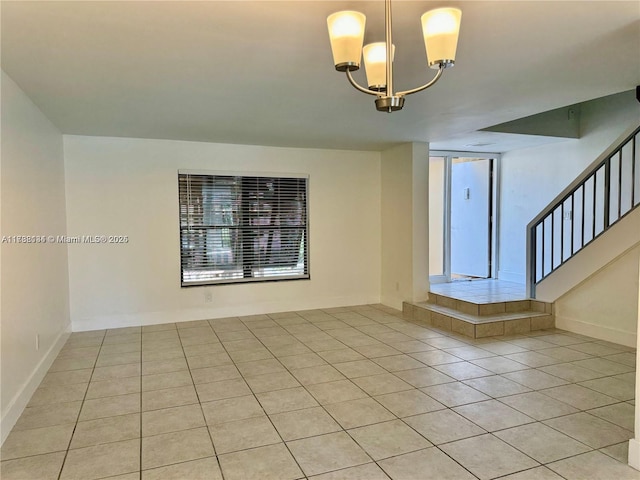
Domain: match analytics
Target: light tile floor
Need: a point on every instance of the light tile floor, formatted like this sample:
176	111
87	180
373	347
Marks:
342	393
481	291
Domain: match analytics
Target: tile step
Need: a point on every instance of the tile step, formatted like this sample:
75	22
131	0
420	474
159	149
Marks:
478	326
489	308
477	319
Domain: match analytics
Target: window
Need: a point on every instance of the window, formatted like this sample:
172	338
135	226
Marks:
242	228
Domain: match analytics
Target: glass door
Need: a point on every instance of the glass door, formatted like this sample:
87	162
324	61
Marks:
463	204
470	218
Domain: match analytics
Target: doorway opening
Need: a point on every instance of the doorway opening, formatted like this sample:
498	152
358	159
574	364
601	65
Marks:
463	213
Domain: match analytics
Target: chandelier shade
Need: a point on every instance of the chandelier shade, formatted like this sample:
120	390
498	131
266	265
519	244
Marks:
346	32
440	28
375	65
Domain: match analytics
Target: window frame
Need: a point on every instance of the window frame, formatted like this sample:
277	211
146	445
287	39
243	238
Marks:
246	280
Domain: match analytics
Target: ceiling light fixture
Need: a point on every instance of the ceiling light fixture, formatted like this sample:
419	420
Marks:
440	28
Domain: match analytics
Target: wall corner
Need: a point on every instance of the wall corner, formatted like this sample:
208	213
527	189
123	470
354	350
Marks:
634	443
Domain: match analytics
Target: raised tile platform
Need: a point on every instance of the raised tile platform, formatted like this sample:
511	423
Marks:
478	320
487	290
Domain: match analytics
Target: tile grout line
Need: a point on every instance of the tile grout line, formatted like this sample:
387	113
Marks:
393	373
551	418
261	406
93	369
204	418
401	419
304	387
368	396
534	421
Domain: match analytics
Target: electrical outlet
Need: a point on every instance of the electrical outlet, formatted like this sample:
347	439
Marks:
568	215
37	342
208	296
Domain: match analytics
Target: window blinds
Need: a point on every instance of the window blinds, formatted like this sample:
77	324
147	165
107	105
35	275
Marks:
242	228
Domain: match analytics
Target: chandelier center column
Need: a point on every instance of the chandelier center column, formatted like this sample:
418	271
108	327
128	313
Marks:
389	42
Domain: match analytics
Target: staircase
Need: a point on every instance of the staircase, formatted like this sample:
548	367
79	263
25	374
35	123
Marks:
607	192
596	201
478	320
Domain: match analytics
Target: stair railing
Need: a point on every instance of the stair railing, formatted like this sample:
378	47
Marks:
598	198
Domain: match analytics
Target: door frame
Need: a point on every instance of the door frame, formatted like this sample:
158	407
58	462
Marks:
494	202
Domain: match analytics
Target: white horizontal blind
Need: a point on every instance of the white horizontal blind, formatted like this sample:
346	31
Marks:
242	228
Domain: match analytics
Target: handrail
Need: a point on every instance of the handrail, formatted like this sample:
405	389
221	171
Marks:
543	231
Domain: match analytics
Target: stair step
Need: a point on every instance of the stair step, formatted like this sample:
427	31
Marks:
478	326
477	319
489	308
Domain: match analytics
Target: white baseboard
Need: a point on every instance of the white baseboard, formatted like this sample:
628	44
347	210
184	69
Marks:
634	454
21	399
392	302
514	277
600	332
188	314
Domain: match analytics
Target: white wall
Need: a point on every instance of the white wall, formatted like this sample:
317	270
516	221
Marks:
606	304
420	222
405	224
34	280
634	444
532	177
118	186
436	216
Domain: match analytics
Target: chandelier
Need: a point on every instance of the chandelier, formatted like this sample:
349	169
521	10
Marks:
440	28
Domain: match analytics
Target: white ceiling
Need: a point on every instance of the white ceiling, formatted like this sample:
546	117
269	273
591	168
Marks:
261	72
492	142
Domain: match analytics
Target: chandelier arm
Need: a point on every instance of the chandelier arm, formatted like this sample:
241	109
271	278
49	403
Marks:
425	86
360	87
